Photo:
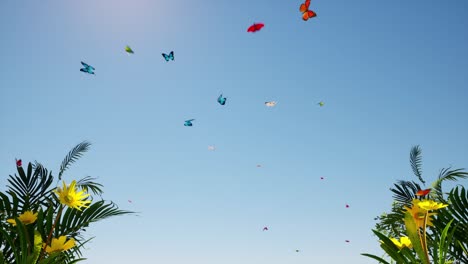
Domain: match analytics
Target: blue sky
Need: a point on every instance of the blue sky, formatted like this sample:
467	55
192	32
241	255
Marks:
392	74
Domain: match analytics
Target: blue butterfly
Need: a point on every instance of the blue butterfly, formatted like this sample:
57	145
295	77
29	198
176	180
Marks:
168	57
222	100
87	68
188	122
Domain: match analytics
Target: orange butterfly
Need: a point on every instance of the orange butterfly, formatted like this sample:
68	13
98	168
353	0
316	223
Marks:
306	13
423	192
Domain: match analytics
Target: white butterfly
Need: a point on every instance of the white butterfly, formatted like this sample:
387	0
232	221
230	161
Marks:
270	104
211	148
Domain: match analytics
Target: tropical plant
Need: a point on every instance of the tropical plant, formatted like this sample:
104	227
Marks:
43	224
397	224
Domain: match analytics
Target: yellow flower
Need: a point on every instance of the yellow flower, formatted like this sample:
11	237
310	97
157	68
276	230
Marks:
404	242
69	196
59	244
419	213
431	205
27	218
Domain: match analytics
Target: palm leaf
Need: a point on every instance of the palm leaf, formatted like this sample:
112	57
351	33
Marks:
447	175
457	210
87	183
31	188
415	160
72	156
404	191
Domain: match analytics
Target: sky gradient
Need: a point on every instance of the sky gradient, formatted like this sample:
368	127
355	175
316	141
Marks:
392	74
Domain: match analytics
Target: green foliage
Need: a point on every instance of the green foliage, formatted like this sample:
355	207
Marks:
72	156
416	161
31	190
458	213
446	242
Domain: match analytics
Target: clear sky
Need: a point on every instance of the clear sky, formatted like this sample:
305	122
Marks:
392	74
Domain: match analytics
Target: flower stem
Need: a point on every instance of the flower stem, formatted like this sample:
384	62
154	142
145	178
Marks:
51	230
425	238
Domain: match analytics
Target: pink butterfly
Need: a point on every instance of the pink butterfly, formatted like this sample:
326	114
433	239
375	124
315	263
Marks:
19	163
347	206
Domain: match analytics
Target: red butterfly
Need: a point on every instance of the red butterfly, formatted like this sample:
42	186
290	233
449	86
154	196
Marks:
306	13
255	27
423	192
18	162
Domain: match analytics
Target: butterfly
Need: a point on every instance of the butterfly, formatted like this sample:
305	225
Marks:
130	201
128	50
347	206
188	122
258	165
423	192
87	68
306	13
347	241
321	178
222	100
19	163
255	27
265	228
297	250
321	103
211	148
270	104
168	57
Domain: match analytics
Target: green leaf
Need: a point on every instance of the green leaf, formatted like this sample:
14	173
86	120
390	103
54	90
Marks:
72	156
445	242
37	247
412	231
415	160
376	258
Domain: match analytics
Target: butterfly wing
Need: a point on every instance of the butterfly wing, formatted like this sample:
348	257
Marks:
423	192
165	56
171	55
310	14
251	29
259	26
84	65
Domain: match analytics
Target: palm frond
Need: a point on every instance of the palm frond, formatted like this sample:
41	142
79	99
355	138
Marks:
457	210
415	160
72	156
404	191
31	188
87	183
447	175
74	220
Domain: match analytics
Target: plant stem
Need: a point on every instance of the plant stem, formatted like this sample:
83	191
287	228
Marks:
425	238
51	230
